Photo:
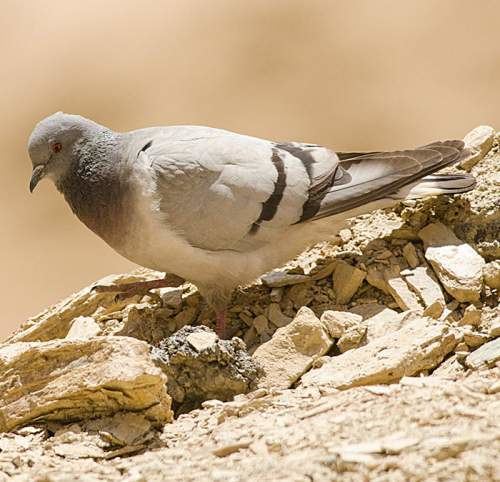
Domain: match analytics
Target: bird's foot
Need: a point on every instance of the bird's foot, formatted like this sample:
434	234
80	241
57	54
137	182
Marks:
127	290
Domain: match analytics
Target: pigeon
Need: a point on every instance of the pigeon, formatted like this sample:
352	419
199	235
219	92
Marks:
217	208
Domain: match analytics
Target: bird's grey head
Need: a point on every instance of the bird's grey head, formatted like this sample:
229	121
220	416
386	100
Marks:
51	145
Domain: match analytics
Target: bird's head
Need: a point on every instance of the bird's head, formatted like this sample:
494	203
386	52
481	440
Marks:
51	145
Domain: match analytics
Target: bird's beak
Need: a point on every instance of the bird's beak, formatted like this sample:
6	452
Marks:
36	176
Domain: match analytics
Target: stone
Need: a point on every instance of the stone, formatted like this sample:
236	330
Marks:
410	254
491	273
171	297
472	316
292	350
201	340
474	339
457	264
345	235
494	330
260	324
479	141
300	294
403	296
346	281
421	344
83	328
385	322
219	371
351	338
62	380
276	317
277	279
422	281
375	276
486	355
338	322
435	310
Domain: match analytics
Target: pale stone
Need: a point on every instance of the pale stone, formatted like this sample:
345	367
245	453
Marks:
200	340
403	296
491	272
494	330
171	297
423	282
79	379
410	254
435	310
421	344
351	338
457	265
479	141
486	355
345	235
346	281
292	350
276	317
375	276
83	328
276	279
385	322
126	428
338	322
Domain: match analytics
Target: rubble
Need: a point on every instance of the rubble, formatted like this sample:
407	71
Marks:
491	273
422	281
199	366
457	265
479	141
346	281
486	355
78	379
421	344
292	350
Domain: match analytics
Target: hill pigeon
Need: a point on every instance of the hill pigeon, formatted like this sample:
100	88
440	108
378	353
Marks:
217	208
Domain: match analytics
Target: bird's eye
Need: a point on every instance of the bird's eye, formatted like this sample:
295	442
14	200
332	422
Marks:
56	147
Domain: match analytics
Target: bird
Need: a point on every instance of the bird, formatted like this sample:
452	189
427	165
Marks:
217	208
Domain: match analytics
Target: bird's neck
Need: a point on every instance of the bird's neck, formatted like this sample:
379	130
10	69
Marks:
95	185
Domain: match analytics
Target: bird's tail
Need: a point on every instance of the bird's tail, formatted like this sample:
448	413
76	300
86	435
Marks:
437	184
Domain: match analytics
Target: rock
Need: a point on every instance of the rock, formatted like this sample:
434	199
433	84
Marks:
277	279
56	321
83	328
385	322
171	297
345	235
486	355
301	294
292	350
368	310
403	296
457	265
276	317
423	282
260	324
479	141
375	276
346	281
77	379
473	339
435	310
421	344
494	330
186	316
351	338
472	316
491	273
410	254
218	370
201	340
338	322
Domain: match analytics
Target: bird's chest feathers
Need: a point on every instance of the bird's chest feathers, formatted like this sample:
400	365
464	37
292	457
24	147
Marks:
99	196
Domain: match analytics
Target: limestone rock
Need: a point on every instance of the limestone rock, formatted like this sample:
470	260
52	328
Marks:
276	316
292	350
422	281
486	355
491	272
435	310
457	265
410	254
479	141
83	328
346	281
345	326
385	322
403	296
213	369
421	344
375	276
472	316
77	379
278	278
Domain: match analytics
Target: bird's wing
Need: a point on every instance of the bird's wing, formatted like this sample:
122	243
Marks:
221	190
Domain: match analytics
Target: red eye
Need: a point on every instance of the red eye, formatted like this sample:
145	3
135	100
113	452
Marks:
56	147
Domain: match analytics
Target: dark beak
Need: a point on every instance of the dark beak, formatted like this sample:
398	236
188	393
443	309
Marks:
36	176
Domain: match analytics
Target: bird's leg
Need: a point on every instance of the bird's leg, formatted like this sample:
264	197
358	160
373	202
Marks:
220	326
140	287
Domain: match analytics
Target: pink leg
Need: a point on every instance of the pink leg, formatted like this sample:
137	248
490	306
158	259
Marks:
220	327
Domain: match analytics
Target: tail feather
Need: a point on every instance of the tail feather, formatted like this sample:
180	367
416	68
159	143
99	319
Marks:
362	178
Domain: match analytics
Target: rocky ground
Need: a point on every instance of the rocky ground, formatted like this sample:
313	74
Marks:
376	358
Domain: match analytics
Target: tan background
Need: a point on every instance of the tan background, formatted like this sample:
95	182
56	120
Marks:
352	74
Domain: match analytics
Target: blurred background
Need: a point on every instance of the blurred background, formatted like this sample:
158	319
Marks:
350	74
